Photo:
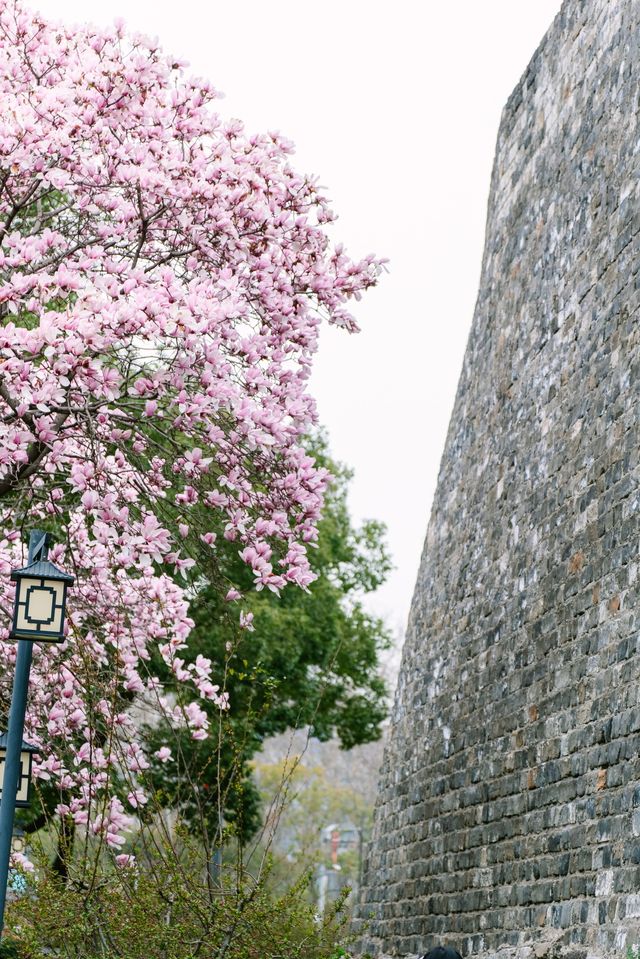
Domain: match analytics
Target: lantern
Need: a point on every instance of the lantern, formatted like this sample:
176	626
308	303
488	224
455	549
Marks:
24	780
41	597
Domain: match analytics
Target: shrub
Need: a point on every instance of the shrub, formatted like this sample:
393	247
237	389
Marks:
171	908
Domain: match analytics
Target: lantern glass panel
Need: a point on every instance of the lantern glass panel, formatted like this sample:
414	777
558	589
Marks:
24	780
40	606
22	794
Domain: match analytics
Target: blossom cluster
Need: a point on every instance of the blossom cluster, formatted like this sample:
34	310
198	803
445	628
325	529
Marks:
163	278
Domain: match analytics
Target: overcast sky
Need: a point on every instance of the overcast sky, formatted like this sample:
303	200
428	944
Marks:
395	107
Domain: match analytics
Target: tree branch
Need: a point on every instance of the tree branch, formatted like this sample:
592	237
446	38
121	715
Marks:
35	455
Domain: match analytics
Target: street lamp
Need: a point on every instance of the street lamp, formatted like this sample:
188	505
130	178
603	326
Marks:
41	595
41	598
26	761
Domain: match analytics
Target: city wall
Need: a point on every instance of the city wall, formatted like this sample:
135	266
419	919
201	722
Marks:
508	817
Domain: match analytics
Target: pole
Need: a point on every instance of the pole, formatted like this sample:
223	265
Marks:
215	863
15	733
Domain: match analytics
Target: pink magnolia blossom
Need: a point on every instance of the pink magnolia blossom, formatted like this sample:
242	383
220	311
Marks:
125	861
20	861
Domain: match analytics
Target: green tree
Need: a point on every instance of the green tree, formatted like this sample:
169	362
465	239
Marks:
312	659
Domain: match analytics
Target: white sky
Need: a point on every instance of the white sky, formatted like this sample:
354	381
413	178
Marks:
395	106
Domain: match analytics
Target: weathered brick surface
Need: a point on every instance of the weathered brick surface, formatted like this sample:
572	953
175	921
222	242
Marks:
509	809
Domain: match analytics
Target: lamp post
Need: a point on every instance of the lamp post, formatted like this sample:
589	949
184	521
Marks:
41	594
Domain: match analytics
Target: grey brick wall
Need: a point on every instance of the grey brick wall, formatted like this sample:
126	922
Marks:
508	816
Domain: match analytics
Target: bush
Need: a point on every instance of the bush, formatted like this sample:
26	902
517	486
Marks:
9	950
170	908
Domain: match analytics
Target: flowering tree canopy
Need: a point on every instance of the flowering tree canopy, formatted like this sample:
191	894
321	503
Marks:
163	277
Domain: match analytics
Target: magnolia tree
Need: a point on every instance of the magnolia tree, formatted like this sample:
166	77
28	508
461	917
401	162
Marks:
163	278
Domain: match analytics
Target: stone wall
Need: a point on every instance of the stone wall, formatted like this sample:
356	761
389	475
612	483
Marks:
508	815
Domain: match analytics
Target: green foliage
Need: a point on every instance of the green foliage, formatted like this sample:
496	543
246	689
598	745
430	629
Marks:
312	660
313	657
9	950
169	910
